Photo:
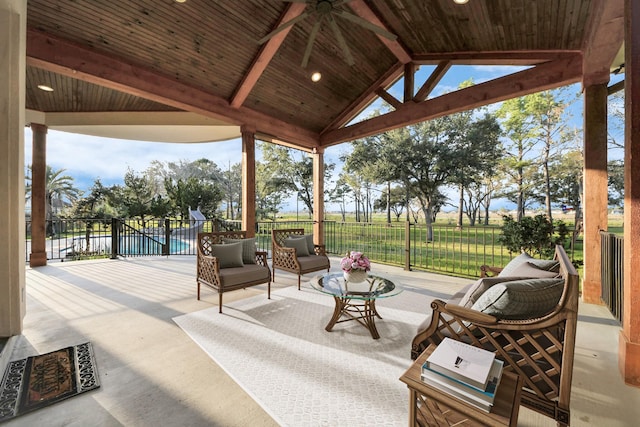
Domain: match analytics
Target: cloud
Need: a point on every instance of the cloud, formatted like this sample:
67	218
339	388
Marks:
89	157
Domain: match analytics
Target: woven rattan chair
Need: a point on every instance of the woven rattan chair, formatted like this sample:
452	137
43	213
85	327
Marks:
285	258
210	273
540	350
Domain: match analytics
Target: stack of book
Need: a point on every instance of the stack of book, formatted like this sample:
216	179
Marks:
469	373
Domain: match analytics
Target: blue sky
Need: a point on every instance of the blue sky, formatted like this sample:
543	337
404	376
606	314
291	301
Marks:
87	158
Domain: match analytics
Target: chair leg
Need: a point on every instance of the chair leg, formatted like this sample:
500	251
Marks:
220	302
269	290
298	282
198	290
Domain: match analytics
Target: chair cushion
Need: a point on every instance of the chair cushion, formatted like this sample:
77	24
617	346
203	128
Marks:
521	299
531	270
300	245
477	288
249	273
311	247
313	263
546	264
228	254
248	248
508	269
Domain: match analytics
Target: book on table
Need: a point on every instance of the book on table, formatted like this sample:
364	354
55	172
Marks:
463	362
463	391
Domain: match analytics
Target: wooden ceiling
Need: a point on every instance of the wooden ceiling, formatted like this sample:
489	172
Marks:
204	56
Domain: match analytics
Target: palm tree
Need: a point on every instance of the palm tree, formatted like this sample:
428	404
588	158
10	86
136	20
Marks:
59	190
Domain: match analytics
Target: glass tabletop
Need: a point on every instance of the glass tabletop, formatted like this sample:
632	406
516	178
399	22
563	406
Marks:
374	287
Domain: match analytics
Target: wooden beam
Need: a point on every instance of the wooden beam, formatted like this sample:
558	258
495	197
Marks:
267	51
542	77
392	75
604	37
388	98
616	87
432	81
361	9
69	59
409	81
509	57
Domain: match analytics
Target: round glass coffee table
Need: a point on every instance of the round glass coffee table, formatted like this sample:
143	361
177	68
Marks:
355	301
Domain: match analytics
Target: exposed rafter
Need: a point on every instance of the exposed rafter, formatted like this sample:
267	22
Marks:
542	77
69	59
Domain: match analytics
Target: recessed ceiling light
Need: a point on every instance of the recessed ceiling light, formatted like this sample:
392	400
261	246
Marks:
461	1
315	77
45	88
180	1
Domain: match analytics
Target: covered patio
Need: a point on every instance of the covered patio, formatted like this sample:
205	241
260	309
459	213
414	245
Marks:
152	372
246	66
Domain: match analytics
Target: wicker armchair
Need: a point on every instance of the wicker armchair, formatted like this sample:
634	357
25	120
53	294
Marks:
540	350
210	273
285	258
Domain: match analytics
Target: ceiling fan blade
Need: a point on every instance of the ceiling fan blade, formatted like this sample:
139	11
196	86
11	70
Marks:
337	3
284	26
364	23
341	40
312	38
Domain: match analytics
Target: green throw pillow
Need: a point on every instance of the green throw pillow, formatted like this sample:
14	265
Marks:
299	243
480	286
521	299
248	248
311	247
546	264
228	254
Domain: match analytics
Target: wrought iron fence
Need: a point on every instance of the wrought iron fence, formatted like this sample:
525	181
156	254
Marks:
444	248
612	272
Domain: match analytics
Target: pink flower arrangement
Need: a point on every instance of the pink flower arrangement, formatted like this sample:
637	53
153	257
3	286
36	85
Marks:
355	261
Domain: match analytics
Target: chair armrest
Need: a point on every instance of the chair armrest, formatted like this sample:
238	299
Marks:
208	269
489	271
320	250
261	258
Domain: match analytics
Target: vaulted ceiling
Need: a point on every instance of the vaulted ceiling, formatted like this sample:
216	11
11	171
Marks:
207	57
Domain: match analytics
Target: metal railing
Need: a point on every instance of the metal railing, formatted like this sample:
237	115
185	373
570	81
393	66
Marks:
446	249
612	272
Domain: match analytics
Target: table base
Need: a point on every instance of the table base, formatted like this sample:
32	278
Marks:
363	312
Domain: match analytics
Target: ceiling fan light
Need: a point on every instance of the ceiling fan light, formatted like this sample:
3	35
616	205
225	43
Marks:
45	88
461	1
316	76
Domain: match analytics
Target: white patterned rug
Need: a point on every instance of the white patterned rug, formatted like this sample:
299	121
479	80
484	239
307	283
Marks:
278	351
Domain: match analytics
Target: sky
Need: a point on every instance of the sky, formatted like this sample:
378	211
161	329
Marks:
87	158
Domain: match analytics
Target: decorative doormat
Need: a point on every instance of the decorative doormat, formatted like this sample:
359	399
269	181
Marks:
37	381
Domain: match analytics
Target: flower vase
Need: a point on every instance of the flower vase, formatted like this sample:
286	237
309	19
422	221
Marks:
355	276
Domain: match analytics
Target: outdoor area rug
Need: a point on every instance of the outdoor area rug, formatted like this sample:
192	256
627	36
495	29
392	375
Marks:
278	351
37	381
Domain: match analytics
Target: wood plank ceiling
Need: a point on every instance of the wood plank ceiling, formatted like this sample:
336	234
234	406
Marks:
204	56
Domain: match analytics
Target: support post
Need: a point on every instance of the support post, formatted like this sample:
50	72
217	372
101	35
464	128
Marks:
248	180
38	255
595	188
13	24
318	196
629	340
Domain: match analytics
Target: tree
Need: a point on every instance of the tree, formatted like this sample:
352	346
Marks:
520	132
394	200
58	192
93	209
616	182
291	171
532	235
193	193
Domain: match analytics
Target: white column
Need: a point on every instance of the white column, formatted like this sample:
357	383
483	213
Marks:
13	14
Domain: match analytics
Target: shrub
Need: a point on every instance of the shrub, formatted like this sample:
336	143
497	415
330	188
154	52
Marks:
535	235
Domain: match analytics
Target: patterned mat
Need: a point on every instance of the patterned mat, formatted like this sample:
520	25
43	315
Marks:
278	351
37	381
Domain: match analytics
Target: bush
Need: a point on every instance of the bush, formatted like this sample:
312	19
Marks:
535	235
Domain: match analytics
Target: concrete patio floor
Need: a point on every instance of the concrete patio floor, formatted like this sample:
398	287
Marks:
152	374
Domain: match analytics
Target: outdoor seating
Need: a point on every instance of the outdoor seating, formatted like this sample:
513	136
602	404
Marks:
295	252
228	260
533	334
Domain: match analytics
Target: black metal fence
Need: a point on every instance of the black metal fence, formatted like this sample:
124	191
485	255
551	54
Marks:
612	271
445	249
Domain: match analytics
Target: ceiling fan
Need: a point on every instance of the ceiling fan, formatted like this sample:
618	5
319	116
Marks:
326	10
